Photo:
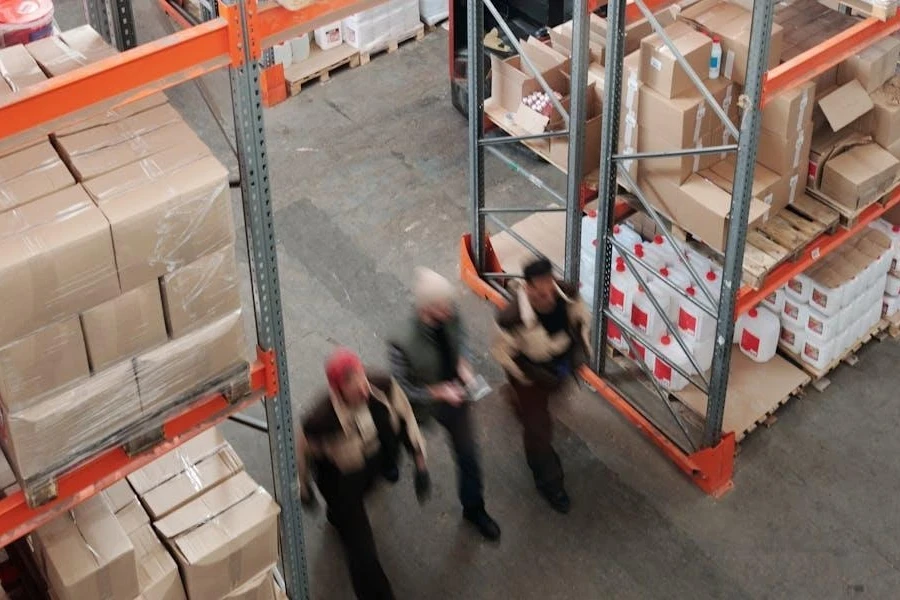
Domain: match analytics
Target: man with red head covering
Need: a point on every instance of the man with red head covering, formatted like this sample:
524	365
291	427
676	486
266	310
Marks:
351	436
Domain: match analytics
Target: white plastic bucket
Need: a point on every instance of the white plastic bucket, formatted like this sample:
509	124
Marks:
615	338
758	338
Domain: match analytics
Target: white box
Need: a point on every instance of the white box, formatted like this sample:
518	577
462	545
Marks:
300	47
329	36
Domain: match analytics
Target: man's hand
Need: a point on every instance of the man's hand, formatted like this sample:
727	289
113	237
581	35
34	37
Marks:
466	372
448	392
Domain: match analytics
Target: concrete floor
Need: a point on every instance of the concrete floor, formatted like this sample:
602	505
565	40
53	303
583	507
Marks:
369	180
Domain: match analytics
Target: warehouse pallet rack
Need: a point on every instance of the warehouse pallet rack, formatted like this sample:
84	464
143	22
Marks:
705	454
234	40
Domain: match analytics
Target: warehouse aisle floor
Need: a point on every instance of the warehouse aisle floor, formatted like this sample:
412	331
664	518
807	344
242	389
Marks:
369	180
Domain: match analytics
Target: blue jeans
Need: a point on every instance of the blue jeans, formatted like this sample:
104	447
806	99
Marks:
457	420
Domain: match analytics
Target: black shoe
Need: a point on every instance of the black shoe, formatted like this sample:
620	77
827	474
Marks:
391	473
330	516
483	522
558	499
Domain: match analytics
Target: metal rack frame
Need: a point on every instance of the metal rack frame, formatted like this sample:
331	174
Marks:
708	461
235	40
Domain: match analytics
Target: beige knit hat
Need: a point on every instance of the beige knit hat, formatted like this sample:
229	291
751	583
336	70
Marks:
430	288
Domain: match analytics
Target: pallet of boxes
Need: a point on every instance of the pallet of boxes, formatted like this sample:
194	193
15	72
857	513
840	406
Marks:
191	525
117	277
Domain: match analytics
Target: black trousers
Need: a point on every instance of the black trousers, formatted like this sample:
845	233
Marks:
345	493
531	403
457	420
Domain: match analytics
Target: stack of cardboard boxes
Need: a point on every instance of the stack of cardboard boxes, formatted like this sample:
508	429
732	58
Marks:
190	525
117	276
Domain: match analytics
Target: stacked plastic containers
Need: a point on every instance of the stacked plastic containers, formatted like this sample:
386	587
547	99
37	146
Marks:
890	305
24	21
827	309
374	29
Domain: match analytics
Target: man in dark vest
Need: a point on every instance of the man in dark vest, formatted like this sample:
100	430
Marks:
543	337
428	360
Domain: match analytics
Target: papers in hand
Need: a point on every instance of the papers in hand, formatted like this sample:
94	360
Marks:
478	388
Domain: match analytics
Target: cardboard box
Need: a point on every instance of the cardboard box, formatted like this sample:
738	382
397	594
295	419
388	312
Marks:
223	538
790	111
88	555
73	49
872	66
559	147
18	69
56	268
192	481
112	115
156	569
260	587
511	79
118	496
201	292
157	229
175	461
661	71
30	174
826	144
768	187
678	168
784	154
124	326
683	121
71	424
183	367
41	362
635	31
561	41
883	123
845	104
859	176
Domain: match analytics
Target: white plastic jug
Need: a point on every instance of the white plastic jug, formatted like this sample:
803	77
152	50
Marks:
892	285
650	257
665	295
713	281
826	327
588	231
669	252
893	232
622	289
699	262
627	236
329	36
817	353
702	351
615	338
825	298
644	316
667	353
794	313
799	288
890	306
759	329
775	301
792	338
694	323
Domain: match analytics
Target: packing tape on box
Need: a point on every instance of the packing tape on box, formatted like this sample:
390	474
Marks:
804	102
794	179
698	122
67	54
726	139
729	64
697	144
104	585
729	98
798	147
631	91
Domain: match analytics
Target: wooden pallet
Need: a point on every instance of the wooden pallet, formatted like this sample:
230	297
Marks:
882	13
138	437
416	34
784	236
319	66
848	216
820	380
440	24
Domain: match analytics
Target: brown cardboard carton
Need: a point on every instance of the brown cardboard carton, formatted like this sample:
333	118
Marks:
682	121
871	66
679	168
88	555
71	50
784	154
123	502
114	114
49	209
883	123
859	176
223	538
201	292
661	71
767	185
825	145
124	326
56	268
509	76
156	569
260	587
41	362
118	496
147	171
711	209
845	104
30	174
18	69
635	31
559	147
561	41
174	462
182	367
790	111
191	482
70	424
157	229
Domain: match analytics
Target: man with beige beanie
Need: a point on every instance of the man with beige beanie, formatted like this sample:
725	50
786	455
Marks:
428	360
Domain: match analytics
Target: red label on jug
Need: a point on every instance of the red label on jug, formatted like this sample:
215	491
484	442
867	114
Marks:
687	322
639	319
819	298
791	310
787	336
662	372
815	325
640	351
616	298
796	285
811	351
771	299
750	343
612	332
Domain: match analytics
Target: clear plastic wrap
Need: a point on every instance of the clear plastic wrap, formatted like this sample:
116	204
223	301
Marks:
29	174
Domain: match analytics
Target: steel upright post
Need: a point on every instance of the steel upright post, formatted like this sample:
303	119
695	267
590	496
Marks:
97	16
577	118
122	24
475	73
260	230
760	34
609	141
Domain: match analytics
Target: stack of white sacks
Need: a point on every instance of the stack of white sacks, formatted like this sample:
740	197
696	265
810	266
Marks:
835	303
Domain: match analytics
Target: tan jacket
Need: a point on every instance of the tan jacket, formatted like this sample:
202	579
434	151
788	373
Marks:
347	438
524	348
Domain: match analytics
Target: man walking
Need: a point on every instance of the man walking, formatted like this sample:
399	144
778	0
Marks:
351	436
543	337
428	359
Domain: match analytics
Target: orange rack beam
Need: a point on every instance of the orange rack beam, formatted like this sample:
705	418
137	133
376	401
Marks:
17	519
822	247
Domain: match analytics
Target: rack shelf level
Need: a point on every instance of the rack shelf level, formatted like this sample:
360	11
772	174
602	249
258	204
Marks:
17	519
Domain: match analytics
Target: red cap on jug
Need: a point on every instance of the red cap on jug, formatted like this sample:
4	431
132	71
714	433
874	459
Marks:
658	239
690	290
711	275
753	313
639	250
665	340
